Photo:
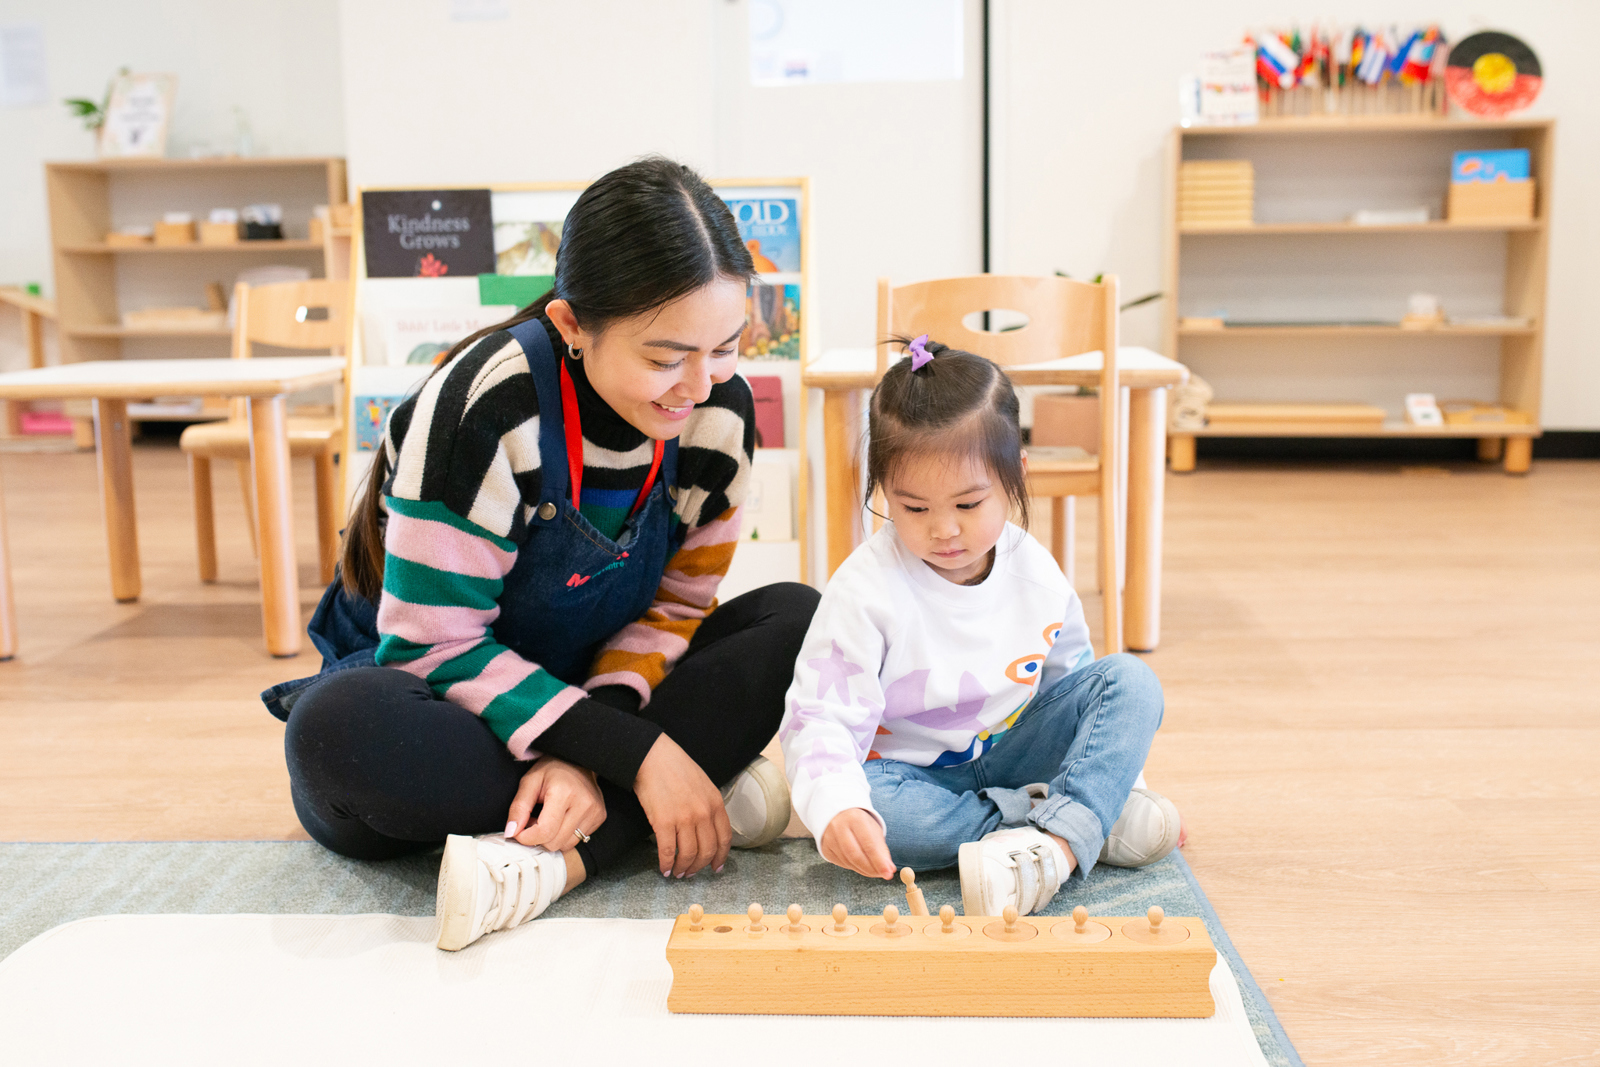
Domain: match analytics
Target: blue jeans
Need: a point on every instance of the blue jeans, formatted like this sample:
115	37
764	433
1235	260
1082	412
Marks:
1087	736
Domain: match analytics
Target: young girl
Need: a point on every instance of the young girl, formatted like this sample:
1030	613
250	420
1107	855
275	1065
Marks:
946	704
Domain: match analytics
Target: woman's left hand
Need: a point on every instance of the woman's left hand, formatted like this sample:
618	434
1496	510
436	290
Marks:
571	799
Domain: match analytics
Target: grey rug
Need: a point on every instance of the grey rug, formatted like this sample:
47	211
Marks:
45	885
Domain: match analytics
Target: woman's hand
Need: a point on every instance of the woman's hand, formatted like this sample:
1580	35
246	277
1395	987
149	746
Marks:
684	809
854	840
571	800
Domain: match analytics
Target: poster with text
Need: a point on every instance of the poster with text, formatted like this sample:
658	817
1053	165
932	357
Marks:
443	233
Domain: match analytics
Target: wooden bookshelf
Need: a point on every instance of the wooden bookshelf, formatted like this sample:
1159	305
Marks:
95	282
1301	259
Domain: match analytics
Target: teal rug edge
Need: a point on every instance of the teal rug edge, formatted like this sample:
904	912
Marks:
1255	1000
43	885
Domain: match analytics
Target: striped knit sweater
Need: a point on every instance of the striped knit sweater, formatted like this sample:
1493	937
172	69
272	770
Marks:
466	476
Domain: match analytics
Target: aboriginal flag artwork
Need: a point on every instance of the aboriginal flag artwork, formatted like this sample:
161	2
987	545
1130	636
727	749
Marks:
1492	74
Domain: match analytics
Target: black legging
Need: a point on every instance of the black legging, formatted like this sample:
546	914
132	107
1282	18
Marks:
379	767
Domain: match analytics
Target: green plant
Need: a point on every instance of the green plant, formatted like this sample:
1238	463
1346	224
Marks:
92	114
1147	298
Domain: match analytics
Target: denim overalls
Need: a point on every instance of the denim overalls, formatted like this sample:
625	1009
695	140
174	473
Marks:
571	589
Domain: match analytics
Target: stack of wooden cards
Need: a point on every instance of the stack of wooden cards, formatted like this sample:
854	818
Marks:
1216	192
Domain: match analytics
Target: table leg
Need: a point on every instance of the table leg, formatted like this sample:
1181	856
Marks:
1147	428
114	449
841	437
280	580
8	604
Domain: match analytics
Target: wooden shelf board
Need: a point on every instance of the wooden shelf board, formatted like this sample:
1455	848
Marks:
1365	124
295	245
146	331
220	163
1435	226
1345	429
1355	331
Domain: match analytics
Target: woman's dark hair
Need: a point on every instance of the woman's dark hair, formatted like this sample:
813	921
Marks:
639	238
957	404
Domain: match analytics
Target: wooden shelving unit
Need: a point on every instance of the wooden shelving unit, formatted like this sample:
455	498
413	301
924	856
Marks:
1301	259
95	282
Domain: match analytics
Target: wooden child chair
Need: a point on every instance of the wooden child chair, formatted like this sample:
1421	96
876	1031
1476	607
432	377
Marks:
277	315
1065	318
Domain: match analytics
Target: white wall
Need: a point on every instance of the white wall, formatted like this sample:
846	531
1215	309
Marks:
279	61
1090	93
563	91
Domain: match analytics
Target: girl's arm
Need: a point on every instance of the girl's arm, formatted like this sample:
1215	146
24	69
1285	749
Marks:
834	706
714	456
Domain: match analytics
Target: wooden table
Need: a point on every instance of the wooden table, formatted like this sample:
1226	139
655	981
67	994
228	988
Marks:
843	374
265	382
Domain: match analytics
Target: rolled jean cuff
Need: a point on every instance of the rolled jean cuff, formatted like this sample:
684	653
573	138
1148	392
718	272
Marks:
1014	804
1079	826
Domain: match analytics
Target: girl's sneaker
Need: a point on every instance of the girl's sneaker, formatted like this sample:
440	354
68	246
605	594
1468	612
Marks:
489	883
1015	867
758	804
1147	829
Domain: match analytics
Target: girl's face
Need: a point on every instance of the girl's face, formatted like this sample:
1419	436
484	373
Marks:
655	367
949	510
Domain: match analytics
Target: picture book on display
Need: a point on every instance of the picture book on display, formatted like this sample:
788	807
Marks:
770	229
773	323
428	234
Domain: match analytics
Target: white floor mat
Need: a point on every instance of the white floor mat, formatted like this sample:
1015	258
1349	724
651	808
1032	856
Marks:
351	989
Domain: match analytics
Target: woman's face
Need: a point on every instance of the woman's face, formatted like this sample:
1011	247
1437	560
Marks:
655	367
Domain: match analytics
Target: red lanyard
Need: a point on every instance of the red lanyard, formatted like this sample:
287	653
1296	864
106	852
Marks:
573	429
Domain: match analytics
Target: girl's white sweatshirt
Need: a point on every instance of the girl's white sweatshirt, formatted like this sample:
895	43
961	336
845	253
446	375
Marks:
900	663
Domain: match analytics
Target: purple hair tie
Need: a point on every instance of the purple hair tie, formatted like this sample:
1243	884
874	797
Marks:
920	356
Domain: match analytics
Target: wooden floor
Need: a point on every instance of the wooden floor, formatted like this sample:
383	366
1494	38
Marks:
1382	729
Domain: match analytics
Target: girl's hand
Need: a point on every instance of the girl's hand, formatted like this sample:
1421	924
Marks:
684	809
854	840
571	800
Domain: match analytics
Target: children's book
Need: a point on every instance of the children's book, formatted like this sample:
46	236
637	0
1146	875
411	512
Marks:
526	247
767	390
773	330
1500	165
770	229
424	335
411	234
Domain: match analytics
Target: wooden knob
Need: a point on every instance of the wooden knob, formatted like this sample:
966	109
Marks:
755	916
794	915
1080	919
696	913
840	913
891	915
1010	917
947	919
908	876
1155	915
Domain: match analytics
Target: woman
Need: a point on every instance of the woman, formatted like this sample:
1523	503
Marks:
522	659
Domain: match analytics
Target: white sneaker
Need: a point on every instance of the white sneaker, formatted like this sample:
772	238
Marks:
1147	829
489	883
758	804
1015	867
